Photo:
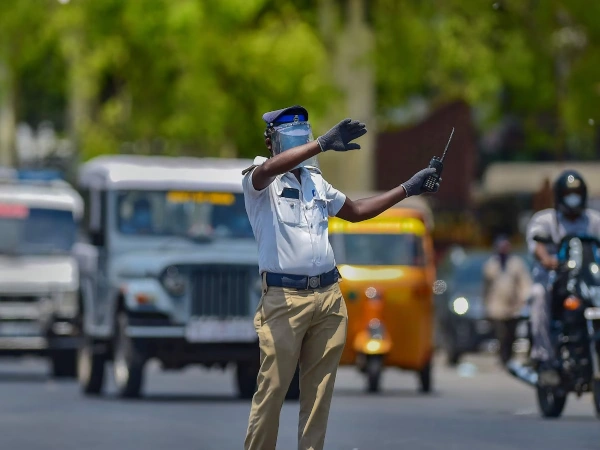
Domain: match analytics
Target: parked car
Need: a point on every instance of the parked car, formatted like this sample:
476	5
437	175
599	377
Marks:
462	322
39	278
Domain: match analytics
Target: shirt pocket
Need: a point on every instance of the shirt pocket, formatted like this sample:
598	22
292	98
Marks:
288	210
319	213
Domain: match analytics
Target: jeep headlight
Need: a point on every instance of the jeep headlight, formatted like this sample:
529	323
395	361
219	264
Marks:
174	281
66	304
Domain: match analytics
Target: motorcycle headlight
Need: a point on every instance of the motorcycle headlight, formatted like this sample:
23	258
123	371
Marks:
460	306
174	281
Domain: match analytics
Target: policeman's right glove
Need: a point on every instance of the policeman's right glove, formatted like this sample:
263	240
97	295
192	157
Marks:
339	137
414	186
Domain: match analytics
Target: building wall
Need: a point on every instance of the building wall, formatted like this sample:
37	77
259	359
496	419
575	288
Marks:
399	154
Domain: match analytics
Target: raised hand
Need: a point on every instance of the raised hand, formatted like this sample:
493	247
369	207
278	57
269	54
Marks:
340	136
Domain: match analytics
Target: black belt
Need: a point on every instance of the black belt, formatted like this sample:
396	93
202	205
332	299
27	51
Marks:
301	281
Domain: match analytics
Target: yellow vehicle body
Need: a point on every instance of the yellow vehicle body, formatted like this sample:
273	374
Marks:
388	289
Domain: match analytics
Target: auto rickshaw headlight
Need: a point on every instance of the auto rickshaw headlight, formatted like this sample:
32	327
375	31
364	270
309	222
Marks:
460	306
371	293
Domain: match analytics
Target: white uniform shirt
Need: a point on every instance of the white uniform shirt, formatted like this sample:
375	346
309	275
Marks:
292	234
552	224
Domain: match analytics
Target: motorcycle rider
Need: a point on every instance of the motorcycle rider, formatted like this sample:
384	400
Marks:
545	230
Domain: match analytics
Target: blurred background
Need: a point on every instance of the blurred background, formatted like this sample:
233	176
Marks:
518	79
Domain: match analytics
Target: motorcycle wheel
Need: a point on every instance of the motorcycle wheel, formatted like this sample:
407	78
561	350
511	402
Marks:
551	402
596	397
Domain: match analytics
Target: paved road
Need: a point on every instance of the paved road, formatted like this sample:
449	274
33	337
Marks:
476	407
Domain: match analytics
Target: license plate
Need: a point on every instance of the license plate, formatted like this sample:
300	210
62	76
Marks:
213	330
20	329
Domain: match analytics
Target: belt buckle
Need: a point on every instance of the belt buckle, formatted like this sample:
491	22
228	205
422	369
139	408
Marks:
313	282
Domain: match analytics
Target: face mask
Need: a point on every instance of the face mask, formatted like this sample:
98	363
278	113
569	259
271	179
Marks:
572	200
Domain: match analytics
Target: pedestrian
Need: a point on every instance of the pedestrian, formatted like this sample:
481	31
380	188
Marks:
506	287
301	318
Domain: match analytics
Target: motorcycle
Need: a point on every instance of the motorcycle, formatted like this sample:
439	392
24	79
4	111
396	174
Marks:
575	329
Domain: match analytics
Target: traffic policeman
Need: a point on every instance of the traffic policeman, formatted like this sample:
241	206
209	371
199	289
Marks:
302	316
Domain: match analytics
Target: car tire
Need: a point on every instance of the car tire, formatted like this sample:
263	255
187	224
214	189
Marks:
453	354
128	361
64	363
91	362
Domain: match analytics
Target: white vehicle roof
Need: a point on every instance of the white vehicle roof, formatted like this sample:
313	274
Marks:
161	173
56	194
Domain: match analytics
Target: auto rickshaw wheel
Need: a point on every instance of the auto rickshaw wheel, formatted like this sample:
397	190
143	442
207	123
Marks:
425	378
374	367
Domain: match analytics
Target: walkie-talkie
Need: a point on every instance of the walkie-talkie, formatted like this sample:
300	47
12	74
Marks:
437	164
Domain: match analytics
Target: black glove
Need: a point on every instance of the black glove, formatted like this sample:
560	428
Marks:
339	137
414	186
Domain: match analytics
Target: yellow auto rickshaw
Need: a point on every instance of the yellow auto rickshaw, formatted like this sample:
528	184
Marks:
388	270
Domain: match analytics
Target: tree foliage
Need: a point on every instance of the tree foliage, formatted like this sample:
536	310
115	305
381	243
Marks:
195	76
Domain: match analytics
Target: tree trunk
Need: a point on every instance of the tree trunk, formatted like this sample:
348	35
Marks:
7	116
354	74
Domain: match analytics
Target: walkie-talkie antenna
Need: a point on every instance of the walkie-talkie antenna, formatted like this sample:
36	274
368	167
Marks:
446	149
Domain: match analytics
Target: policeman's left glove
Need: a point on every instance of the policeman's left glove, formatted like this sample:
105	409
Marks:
414	186
339	137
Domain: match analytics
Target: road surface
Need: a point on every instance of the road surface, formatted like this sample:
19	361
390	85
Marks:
475	406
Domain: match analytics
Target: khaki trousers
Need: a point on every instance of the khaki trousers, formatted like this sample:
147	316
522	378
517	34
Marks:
305	326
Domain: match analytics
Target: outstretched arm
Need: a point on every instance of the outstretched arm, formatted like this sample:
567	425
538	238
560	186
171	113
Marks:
367	208
264	174
338	138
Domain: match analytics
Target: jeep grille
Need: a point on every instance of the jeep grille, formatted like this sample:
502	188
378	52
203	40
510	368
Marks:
222	290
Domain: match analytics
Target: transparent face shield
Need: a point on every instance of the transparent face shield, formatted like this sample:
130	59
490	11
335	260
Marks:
292	135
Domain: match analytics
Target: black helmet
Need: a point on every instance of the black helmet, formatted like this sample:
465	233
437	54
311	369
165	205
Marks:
570	193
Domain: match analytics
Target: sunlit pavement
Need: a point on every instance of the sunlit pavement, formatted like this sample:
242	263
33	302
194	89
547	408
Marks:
476	406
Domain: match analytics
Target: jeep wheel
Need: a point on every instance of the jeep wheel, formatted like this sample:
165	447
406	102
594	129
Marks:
246	374
293	392
64	363
90	367
129	360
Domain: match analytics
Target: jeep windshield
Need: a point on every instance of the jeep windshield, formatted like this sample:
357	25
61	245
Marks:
194	215
378	249
35	231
